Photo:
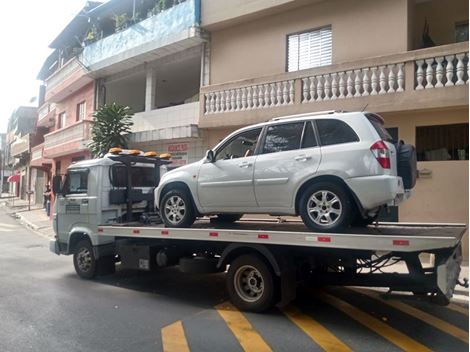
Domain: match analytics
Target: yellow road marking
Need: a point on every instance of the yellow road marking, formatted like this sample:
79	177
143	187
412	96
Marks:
457	308
317	332
173	338
419	314
249	339
394	336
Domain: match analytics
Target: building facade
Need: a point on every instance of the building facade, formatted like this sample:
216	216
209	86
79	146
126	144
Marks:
406	60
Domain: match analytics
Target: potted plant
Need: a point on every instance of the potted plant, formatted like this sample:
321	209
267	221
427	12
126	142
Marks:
121	22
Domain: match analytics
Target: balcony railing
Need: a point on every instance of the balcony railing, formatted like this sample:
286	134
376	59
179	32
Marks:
67	139
155	32
36	152
46	115
336	85
20	145
71	67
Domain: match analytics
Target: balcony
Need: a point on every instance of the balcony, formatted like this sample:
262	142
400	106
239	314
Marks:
166	123
37	156
428	78
167	32
67	140
20	146
46	115
66	80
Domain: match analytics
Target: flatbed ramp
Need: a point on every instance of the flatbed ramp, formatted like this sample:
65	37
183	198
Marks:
402	237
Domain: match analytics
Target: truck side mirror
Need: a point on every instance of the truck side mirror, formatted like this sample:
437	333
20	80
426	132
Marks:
56	184
210	156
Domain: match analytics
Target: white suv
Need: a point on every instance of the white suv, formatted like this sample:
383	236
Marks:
332	169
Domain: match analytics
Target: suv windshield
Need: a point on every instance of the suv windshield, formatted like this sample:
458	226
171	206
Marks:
379	127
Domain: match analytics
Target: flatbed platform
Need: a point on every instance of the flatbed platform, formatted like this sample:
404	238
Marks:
400	237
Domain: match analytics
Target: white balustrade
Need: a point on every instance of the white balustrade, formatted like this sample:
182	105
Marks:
442	71
245	98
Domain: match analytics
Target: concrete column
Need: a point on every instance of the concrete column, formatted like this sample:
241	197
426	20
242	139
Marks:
150	88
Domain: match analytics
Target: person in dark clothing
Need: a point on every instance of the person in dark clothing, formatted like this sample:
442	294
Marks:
47	199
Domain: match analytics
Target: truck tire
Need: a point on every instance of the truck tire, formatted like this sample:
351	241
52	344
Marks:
227	218
176	209
406	164
84	260
326	207
251	284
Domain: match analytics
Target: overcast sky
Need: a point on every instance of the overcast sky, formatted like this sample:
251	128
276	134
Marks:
28	27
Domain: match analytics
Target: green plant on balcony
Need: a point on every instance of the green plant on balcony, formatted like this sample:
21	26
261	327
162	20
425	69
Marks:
92	35
121	22
162	5
110	128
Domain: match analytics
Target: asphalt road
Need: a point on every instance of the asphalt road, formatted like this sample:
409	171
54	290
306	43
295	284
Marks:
44	306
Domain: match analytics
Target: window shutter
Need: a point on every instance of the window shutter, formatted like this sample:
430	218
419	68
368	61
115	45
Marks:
309	49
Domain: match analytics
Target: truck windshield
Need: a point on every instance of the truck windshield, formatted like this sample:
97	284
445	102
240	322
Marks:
76	181
141	176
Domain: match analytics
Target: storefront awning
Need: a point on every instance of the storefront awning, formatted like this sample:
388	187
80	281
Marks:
14	178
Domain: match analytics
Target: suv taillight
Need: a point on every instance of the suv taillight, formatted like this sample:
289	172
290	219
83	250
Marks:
381	153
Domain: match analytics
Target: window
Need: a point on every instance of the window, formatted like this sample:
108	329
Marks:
445	142
309	140
242	145
81	111
61	120
461	32
76	181
335	132
309	49
378	126
141	176
280	138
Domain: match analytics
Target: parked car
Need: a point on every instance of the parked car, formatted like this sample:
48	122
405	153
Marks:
331	168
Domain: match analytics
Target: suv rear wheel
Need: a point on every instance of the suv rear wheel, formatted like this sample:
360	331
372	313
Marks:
325	206
176	209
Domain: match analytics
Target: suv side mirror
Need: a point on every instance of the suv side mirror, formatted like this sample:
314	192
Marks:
210	156
56	184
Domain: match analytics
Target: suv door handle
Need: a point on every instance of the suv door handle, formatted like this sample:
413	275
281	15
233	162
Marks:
245	164
302	158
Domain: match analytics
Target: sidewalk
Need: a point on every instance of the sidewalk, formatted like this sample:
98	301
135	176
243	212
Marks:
35	218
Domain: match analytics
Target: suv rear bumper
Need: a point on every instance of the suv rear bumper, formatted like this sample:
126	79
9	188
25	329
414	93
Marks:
374	191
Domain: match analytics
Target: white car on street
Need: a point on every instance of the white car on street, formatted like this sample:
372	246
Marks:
331	168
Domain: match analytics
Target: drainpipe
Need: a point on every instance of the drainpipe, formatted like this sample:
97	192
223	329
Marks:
197	13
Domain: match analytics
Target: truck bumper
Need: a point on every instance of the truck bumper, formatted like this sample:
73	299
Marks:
374	191
54	246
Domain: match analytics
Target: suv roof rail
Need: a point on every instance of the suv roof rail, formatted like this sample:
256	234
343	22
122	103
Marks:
325	112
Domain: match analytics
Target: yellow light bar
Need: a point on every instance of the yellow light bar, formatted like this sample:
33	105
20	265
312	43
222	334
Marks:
150	154
165	156
134	152
115	150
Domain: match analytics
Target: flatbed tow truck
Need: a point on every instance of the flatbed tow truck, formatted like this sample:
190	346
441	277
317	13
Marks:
265	260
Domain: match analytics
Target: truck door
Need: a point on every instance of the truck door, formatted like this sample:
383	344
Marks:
73	203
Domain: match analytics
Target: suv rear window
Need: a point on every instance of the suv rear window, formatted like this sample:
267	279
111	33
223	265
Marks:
333	131
379	127
141	176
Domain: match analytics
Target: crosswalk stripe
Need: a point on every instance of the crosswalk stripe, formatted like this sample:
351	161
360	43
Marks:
457	308
317	332
394	336
249	339
419	314
173	338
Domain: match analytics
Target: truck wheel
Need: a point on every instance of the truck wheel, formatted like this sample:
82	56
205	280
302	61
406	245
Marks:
325	206
250	284
176	209
84	260
227	218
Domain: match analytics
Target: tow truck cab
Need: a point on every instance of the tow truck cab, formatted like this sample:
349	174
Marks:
96	192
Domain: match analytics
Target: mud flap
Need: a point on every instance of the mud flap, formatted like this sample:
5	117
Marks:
448	271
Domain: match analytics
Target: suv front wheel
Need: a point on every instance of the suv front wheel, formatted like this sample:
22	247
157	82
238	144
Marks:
325	206
176	209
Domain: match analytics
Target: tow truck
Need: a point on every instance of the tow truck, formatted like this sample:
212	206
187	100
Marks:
104	217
